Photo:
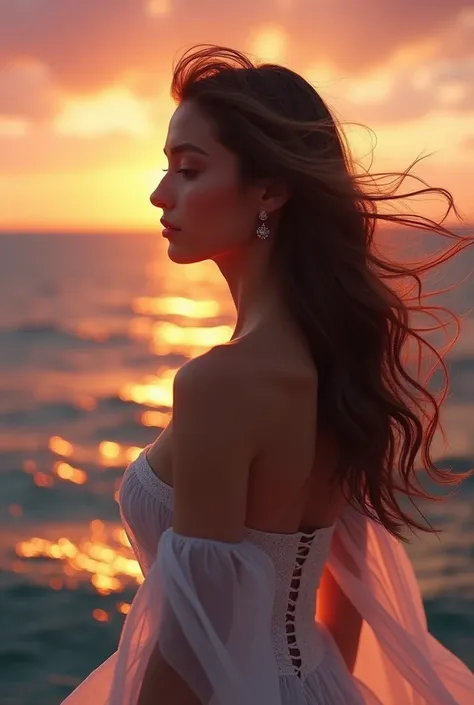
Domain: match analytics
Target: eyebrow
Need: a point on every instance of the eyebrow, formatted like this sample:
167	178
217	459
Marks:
186	147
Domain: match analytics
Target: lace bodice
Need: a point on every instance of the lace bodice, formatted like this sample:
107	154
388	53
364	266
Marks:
298	560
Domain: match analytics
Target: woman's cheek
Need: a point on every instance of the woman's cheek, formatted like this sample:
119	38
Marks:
199	197
210	198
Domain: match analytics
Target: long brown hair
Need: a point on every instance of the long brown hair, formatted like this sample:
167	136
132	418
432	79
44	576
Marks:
339	287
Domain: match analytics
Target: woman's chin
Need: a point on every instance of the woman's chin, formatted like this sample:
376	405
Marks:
179	255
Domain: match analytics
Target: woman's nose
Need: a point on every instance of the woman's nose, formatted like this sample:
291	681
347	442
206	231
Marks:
156	199
159	199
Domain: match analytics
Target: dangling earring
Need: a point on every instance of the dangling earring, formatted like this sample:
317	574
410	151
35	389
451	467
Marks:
262	231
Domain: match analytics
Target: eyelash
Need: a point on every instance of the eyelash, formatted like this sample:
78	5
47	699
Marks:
187	172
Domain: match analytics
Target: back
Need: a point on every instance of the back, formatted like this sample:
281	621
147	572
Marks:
289	483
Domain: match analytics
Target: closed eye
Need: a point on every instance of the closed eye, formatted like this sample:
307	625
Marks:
187	173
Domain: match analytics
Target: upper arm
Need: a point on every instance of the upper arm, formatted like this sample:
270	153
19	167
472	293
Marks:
212	449
334	608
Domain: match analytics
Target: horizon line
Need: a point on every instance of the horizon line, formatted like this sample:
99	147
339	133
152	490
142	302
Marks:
69	231
156	231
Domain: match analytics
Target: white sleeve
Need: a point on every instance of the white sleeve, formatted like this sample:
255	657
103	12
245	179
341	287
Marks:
208	605
398	660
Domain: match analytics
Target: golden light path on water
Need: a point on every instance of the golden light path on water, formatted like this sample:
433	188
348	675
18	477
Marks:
101	555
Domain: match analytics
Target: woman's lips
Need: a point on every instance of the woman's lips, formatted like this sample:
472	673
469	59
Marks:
166	224
168	232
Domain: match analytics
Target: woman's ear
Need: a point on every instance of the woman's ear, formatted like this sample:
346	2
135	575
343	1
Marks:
274	196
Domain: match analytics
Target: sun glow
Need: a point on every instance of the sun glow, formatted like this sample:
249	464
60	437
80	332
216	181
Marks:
269	42
113	110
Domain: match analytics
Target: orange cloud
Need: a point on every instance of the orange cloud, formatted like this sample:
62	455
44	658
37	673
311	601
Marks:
87	45
397	95
84	89
357	36
42	151
389	62
26	90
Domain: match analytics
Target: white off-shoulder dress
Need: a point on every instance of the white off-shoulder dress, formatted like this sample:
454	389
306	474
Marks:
237	620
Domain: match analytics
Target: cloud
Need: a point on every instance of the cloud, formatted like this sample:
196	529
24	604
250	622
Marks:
53	52
88	45
113	110
40	151
27	91
357	36
409	92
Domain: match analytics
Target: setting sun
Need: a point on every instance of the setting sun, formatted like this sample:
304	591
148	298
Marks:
82	125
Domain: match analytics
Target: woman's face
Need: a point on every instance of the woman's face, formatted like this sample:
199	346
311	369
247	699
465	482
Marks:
201	194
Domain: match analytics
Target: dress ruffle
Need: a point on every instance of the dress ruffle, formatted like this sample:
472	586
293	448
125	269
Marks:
222	647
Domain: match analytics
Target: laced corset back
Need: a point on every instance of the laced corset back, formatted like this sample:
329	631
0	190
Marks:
299	558
299	561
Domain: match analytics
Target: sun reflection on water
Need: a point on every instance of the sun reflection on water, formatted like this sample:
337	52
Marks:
152	391
98	554
176	306
102	557
67	472
168	338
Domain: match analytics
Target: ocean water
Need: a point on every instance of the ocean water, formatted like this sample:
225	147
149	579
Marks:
92	331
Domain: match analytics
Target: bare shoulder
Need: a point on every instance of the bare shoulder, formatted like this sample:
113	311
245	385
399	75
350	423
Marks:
252	383
219	362
213	445
253	363
225	377
226	406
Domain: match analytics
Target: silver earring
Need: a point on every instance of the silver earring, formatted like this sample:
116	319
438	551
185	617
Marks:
263	231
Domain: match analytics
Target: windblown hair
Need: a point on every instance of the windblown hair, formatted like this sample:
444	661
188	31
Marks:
343	293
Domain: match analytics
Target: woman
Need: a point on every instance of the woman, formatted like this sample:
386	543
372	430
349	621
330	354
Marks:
278	487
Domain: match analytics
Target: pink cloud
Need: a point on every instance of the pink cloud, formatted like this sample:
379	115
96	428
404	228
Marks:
86	46
27	91
416	90
89	44
356	36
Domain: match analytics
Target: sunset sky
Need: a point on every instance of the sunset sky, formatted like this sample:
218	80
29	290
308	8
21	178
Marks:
84	93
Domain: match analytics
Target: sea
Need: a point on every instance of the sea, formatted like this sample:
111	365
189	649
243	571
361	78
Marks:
93	328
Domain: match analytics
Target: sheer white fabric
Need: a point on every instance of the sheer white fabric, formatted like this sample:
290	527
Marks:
398	659
204	595
218	613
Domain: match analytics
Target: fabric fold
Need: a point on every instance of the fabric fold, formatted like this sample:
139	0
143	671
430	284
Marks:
208	606
398	660
198	603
